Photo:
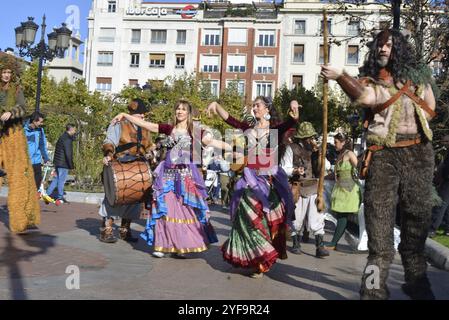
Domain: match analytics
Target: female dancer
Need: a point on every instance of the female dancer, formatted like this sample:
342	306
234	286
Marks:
262	201
179	222
346	195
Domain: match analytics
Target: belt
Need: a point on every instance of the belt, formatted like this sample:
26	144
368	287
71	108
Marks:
399	144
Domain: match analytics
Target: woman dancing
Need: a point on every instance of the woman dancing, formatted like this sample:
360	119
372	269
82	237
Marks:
262	202
179	222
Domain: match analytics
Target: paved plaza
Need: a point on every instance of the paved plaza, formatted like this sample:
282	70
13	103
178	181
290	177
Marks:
34	266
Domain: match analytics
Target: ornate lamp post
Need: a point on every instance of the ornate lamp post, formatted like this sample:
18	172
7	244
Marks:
58	43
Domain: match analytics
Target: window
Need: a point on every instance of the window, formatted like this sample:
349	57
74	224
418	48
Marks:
158	36
264	65
135	35
384	25
112	6
107	35
264	89
135	60
300	27
211	37
297	81
236	63
353	28
104	84
239	86
321	58
134	82
105	59
157	60
214	88
180	61
181	37
266	38
353	55
329	26
237	36
298	53
210	63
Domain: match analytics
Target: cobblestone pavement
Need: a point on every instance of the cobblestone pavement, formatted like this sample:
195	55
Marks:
34	266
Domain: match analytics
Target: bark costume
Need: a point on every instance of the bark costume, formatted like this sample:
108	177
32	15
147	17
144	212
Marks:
121	141
23	203
400	172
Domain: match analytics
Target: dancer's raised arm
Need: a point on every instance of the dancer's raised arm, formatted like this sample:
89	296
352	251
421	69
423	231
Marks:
153	127
216	108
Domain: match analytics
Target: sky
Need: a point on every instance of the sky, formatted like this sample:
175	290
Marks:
74	12
17	11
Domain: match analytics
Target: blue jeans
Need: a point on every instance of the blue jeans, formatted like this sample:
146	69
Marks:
58	182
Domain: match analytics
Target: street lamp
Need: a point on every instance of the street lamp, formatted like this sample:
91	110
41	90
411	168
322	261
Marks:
58	43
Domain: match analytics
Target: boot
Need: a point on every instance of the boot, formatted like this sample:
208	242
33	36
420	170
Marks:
320	251
419	289
305	236
296	249
125	231
107	231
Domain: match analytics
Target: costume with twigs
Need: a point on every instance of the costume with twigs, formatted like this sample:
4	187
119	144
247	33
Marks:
23	203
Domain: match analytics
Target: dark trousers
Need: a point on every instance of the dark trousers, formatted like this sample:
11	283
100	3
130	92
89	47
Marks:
37	168
441	212
397	176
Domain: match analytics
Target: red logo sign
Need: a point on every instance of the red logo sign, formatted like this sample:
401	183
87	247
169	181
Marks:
188	12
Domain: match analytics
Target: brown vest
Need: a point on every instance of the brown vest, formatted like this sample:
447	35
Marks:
303	158
129	135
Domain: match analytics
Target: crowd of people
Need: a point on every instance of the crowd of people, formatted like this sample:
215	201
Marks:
270	187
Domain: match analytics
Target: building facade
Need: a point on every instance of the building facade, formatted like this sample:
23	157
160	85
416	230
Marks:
240	44
256	45
70	67
302	47
132	41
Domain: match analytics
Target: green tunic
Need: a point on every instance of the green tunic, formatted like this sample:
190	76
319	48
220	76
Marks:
346	195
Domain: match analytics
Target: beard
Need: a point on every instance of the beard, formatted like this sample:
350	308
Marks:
383	61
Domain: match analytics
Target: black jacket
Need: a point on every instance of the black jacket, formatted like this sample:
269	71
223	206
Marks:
64	152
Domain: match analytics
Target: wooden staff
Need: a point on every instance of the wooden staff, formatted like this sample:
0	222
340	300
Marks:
320	198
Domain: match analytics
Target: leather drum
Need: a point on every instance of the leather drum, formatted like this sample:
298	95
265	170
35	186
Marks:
127	183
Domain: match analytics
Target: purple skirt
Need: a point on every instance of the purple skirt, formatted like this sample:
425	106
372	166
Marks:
179	231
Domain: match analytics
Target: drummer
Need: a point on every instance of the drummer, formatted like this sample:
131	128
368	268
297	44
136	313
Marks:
121	142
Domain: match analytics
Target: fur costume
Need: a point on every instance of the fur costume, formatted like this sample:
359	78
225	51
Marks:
401	170
23	203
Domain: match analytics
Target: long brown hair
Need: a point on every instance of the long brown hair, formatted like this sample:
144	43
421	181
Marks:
189	111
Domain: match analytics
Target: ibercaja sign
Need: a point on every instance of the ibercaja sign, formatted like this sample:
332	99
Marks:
188	12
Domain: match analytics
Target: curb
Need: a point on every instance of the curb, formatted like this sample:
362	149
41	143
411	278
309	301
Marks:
75	197
437	254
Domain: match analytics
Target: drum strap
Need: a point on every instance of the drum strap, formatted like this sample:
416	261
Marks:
130	145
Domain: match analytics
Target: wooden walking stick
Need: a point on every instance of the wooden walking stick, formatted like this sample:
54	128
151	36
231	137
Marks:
320	198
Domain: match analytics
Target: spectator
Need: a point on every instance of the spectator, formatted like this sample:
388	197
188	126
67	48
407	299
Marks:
63	161
37	145
215	166
442	180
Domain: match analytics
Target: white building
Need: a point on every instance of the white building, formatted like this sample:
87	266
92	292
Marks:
131	41
302	40
70	67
